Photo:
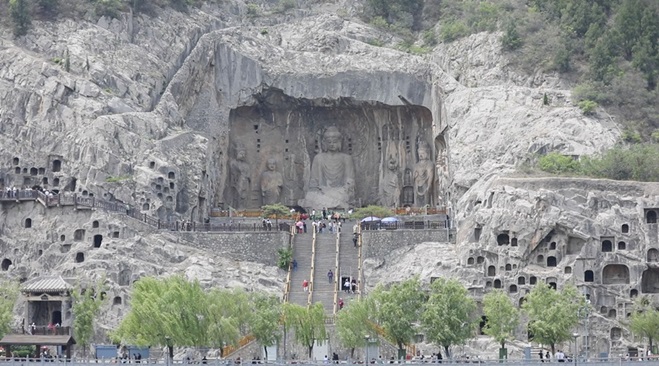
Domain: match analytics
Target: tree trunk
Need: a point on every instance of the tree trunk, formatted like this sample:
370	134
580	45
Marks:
447	353
651	350
553	348
310	351
265	351
352	353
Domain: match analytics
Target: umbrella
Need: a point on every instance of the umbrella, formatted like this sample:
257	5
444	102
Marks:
389	220
370	219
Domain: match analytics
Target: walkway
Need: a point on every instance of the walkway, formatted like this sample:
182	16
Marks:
323	290
302	255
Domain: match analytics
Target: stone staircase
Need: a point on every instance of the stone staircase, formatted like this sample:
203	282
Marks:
323	290
348	260
302	254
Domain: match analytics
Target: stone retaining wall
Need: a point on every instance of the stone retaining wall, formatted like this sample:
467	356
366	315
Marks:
260	247
379	243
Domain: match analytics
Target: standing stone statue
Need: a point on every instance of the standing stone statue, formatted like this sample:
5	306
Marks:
423	176
240	178
332	180
271	183
390	184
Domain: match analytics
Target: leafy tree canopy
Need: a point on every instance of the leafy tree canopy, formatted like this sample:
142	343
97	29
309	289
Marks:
553	314
308	322
448	315
502	317
8	296
397	309
644	321
372	210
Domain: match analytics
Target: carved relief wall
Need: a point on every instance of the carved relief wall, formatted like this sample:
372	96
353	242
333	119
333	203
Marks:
391	147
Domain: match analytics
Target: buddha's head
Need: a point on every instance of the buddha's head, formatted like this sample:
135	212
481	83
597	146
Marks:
423	151
332	139
271	164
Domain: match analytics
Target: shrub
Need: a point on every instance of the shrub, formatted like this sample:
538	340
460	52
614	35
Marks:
587	107
453	30
20	16
429	38
631	136
556	163
108	8
655	136
286	5
253	10
510	40
285	257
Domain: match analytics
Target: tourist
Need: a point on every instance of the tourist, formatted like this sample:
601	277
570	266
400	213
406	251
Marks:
355	238
330	275
294	265
340	303
346	285
305	285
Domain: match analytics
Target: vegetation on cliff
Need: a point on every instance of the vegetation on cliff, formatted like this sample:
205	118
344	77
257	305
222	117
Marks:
608	48
638	162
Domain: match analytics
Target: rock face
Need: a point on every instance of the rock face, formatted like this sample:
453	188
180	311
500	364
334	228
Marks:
179	113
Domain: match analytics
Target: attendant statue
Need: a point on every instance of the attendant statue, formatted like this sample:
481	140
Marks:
271	183
423	176
390	184
240	178
332	180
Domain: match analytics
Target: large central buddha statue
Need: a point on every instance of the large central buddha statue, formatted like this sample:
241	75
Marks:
332	179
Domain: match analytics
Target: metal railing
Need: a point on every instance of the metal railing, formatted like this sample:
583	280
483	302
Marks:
22	361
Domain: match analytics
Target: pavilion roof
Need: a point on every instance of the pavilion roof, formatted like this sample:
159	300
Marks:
41	340
47	285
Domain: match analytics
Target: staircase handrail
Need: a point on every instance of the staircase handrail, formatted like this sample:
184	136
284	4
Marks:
336	272
242	343
313	268
360	273
287	286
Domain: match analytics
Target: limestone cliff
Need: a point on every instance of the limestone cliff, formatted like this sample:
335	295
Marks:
144	115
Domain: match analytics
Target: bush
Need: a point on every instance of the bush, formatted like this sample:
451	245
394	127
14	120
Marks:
253	10
108	8
510	40
587	107
453	30
285	258
286	5
20	16
429	38
631	136
556	163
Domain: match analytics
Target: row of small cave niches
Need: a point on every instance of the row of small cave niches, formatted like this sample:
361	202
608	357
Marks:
55	166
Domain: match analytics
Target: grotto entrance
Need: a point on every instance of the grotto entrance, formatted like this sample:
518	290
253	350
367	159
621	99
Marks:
361	152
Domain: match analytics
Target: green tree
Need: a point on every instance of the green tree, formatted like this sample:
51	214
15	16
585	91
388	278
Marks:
552	314
448	315
644	321
511	40
556	163
277	210
20	15
184	312
86	305
8	296
502	317
397	310
227	317
308	322
371	210
354	322
264	320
